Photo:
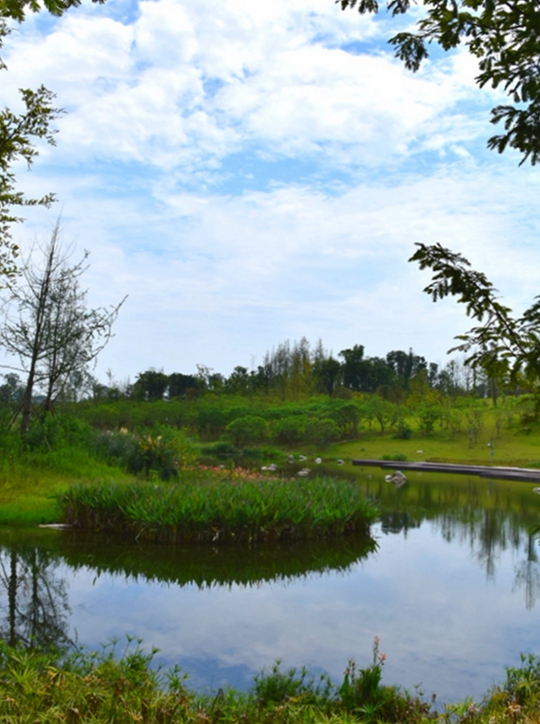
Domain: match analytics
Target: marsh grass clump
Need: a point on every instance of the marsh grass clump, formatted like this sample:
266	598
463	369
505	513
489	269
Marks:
276	686
219	505
103	687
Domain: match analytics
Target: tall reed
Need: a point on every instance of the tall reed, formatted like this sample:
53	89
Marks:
218	506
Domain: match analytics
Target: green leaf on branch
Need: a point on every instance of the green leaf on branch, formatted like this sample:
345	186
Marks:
504	346
503	35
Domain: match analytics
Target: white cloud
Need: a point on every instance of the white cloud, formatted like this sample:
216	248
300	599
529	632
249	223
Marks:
215	279
324	166
193	82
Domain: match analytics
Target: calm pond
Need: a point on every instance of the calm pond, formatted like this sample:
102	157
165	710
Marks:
449	583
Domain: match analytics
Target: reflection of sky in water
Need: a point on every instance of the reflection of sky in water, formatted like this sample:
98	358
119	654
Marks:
443	623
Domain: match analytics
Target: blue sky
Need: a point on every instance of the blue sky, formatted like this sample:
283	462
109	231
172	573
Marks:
255	172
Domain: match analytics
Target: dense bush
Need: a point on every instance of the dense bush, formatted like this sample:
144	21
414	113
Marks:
322	432
50	431
161	452
247	430
403	432
211	420
220	449
289	430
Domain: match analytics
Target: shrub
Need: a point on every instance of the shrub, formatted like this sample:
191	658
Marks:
322	432
403	432
220	449
247	430
103	416
161	452
50	431
256	453
290	429
211	420
427	417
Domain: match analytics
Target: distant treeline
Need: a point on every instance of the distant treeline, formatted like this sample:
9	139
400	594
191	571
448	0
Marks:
298	395
295	371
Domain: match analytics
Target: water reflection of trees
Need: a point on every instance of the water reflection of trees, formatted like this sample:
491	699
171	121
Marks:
33	599
205	566
528	574
490	517
34	606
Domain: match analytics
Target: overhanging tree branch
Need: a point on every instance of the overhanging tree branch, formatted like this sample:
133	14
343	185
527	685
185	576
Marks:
19	133
504	35
503	346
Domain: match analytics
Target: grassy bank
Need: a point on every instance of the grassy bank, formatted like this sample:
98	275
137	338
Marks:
99	688
30	481
66	451
220	505
510	447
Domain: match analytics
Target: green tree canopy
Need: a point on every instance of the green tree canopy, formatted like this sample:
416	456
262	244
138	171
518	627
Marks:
20	132
505	37
150	385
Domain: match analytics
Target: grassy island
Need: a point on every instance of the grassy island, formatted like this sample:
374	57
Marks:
220	505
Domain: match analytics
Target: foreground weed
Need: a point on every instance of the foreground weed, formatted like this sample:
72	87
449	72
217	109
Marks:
518	698
87	687
464	712
363	695
104	687
277	686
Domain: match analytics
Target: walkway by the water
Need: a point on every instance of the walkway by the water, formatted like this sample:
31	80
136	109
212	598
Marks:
527	475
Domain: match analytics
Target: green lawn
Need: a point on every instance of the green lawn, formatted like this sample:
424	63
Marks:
28	485
511	446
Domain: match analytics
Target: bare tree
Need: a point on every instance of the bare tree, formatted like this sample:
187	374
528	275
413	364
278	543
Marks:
49	326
